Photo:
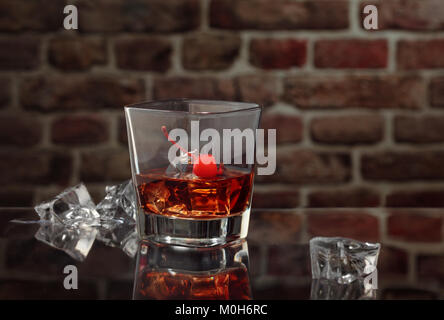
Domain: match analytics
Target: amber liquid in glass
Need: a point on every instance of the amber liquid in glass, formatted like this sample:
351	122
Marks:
229	284
188	196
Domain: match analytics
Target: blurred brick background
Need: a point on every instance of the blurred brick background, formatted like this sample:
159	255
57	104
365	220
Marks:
359	114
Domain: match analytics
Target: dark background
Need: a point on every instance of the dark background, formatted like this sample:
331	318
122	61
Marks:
359	114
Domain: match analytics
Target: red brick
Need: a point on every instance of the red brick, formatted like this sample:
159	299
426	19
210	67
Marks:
5	92
403	165
36	15
416	198
309	167
437	92
35	167
374	92
278	14
79	92
268	197
278	53
209	51
424	129
304	166
348	129
105	165
414	227
288	127
20	130
392	262
19	53
431	269
258	89
138	15
76	53
143	53
274	228
198	88
79	129
355	225
351	197
351	53
409	14
289	260
420	54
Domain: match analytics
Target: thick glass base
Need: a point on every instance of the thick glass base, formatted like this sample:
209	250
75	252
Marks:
193	232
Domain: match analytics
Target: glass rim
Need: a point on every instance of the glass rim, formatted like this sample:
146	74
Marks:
152	106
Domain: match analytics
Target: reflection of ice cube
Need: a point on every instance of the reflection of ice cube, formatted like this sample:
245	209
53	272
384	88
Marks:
74	241
341	259
323	289
130	244
118	216
67	222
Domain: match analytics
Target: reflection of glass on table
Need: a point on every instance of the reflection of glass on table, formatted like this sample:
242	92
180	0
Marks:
278	255
187	273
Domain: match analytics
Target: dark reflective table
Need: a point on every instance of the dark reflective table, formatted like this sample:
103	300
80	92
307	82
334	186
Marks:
273	263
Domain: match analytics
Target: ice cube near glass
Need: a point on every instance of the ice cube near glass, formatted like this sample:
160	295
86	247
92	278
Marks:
342	259
68	222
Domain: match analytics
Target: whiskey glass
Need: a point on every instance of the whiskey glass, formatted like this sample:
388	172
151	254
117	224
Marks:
192	164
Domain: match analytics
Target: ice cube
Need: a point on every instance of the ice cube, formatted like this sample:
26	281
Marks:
180	165
155	195
341	259
73	207
68	222
71	222
76	242
118	217
130	244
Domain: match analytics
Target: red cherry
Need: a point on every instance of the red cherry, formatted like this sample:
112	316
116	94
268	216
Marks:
204	165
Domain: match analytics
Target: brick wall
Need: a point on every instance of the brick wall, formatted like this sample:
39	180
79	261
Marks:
359	114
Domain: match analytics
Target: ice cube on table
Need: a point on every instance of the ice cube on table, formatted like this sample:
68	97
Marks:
73	207
342	259
68	222
71	221
118	217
